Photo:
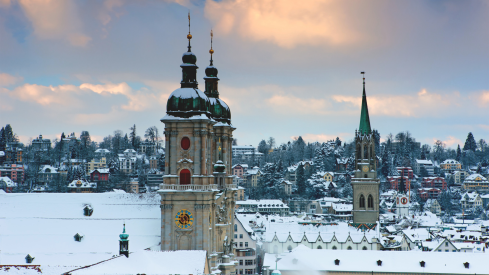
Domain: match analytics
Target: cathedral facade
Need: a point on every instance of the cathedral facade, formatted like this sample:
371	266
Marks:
197	196
365	183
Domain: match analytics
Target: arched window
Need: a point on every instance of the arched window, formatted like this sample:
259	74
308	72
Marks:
334	247
185	143
320	247
370	201
362	201
289	248
349	248
364	248
185	176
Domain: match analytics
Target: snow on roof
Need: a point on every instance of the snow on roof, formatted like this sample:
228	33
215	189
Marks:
102	151
8	181
43	225
474	176
264	203
101	170
450	161
470	197
342	207
51	169
366	261
417	234
152	262
297	231
424	161
2	153
243	147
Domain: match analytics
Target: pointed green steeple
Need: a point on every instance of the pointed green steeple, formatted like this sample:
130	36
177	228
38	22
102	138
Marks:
364	118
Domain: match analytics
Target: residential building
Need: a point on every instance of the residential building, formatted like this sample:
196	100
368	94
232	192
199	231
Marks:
342	211
7	185
341	165
13	171
102	153
429	193
153	162
245	246
47	174
41	144
240	150
252	155
240	169
95	164
127	161
147	147
292	171
286	186
133	186
434	182
326	204
395	181
485	200
459	176
81	186
470	200
450	165
264	206
427	164
433	206
14	152
100	176
240	195
406	171
476	182
251	177
155	178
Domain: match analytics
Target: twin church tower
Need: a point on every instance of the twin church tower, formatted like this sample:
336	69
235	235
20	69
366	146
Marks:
198	197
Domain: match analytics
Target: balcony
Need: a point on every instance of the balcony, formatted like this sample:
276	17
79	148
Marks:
193	187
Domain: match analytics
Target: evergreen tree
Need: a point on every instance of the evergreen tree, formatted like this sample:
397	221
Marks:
263	147
423	155
3	139
347	191
301	180
423	172
376	136
459	153
402	186
9	134
386	163
161	162
470	143
317	187
132	137
299	147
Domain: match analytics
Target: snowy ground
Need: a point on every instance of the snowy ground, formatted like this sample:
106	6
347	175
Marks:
43	225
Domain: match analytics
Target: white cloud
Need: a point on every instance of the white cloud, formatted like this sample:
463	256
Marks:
296	105
421	104
7	80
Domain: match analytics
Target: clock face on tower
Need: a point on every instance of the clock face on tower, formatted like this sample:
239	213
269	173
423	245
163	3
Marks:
365	168
184	219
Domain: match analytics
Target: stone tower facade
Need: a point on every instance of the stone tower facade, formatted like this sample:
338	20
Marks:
197	196
365	183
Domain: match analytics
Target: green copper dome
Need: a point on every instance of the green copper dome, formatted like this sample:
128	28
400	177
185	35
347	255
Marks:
187	102
124	236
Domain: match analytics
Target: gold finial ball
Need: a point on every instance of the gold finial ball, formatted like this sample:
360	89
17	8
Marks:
211	51
189	36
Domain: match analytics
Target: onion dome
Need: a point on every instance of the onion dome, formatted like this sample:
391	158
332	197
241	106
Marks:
124	236
219	167
188	100
218	109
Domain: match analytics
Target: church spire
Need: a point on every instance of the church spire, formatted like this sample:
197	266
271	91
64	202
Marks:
364	117
189	36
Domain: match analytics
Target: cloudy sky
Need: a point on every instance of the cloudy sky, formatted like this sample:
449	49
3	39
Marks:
287	68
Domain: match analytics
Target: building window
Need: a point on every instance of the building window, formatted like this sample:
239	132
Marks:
241	271
319	247
240	236
249	271
364	248
334	248
235	228
248	262
362	201
370	201
240	244
289	248
185	143
235	236
240	262
349	248
246	244
185	176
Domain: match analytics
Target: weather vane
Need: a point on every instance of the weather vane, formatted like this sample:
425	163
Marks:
211	51
363	77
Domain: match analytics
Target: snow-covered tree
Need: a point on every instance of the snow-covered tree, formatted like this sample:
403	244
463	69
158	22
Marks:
470	143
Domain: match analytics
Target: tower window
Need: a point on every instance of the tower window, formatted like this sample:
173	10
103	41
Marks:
370	201
185	143
185	176
362	201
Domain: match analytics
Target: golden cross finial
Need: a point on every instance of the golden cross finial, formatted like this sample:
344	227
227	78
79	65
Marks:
189	36
219	144
211	51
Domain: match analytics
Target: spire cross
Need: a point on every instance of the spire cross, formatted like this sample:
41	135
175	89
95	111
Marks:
363	73
211	51
189	36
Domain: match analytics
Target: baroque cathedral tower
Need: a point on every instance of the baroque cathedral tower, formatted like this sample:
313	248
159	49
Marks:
197	196
365	183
